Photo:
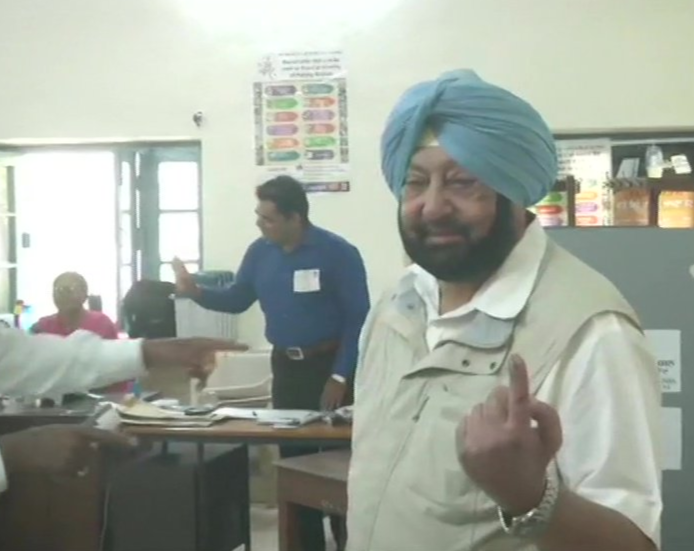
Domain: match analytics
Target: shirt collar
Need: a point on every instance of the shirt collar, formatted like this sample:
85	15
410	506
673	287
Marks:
504	294
309	238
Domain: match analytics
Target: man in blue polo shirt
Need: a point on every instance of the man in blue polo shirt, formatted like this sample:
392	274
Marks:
311	285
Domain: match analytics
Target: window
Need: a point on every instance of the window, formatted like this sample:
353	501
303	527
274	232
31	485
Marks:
179	235
166	272
159	203
115	212
179	188
8	236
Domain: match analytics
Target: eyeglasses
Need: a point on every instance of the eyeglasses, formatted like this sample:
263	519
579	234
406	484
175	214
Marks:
68	289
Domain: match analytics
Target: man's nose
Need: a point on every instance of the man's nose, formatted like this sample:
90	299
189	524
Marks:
436	203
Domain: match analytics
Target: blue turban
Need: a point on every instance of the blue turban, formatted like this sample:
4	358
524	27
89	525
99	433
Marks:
496	136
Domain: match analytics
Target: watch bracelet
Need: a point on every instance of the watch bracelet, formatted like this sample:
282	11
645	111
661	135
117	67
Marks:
533	523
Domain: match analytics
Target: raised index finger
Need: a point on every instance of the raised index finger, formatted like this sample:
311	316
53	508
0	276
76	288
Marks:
519	393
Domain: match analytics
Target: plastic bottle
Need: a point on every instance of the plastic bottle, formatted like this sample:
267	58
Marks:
654	161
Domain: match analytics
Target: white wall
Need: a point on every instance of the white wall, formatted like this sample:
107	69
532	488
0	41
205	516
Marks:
100	69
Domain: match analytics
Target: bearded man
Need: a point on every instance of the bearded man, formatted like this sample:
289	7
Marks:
506	397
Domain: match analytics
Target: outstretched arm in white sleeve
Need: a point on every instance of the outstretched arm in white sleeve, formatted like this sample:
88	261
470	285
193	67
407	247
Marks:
47	364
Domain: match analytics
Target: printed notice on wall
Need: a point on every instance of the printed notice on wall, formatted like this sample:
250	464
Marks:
666	346
672	438
589	162
300	111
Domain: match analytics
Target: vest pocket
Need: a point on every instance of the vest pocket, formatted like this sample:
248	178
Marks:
427	467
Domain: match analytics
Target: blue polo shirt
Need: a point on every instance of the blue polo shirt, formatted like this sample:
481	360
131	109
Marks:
315	293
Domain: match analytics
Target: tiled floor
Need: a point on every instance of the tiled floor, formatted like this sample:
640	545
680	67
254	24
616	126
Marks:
264	528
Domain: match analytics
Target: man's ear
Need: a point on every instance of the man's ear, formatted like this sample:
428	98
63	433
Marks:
521	217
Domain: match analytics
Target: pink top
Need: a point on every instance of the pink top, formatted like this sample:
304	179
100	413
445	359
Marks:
95	322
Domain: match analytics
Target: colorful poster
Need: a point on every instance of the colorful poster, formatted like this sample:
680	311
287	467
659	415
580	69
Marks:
553	210
300	108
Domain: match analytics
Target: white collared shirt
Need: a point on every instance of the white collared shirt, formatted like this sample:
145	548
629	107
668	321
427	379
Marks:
608	398
40	365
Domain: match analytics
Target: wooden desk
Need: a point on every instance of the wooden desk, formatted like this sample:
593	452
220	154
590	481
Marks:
73	523
42	513
317	481
332	472
35	513
248	432
16	418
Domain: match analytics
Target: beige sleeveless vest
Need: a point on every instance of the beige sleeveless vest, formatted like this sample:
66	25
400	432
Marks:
407	491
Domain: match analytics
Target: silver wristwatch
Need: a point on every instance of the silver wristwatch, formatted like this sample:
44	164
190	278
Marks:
533	523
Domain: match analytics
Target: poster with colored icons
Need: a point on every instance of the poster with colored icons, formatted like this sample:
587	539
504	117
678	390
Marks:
301	124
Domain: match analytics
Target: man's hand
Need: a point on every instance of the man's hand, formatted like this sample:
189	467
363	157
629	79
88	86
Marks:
195	354
185	284
57	449
333	395
502	452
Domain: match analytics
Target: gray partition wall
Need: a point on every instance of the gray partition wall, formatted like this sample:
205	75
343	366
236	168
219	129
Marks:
652	268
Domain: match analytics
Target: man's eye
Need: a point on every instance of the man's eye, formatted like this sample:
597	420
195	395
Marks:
462	183
416	184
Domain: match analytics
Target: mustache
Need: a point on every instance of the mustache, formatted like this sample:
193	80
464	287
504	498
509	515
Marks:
424	231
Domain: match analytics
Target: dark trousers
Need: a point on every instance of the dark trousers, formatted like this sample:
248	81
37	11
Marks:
299	384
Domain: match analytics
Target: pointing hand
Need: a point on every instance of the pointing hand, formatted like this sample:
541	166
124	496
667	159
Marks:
500	449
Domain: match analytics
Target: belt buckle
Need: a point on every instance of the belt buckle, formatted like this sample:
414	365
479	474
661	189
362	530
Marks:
295	353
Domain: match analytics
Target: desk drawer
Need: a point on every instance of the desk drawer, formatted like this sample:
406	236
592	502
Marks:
45	513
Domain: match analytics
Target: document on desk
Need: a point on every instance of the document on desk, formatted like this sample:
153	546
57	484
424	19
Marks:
277	417
142	413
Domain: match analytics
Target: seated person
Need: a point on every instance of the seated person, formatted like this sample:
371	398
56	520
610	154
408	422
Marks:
70	292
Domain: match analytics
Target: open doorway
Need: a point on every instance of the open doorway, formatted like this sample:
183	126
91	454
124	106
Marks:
66	205
116	213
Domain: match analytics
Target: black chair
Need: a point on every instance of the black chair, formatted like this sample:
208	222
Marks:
94	303
149	311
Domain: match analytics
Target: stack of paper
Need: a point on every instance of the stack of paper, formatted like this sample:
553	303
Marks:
275	417
142	413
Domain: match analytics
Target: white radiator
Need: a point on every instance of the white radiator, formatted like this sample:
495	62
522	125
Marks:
241	376
194	321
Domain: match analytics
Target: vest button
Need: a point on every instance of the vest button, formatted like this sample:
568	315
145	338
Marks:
466	363
492	366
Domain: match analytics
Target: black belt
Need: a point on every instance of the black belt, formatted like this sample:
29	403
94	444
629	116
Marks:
299	353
